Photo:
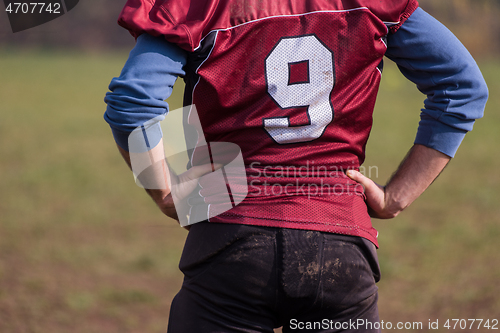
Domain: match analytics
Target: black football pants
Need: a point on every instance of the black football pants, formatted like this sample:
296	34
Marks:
242	278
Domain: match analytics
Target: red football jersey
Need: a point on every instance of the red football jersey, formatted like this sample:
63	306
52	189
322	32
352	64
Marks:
293	84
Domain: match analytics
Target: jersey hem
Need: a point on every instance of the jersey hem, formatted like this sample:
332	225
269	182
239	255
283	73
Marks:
313	226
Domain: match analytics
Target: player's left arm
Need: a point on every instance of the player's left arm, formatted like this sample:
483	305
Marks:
161	179
429	55
136	97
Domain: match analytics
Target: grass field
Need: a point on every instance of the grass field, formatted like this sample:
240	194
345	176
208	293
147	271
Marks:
83	249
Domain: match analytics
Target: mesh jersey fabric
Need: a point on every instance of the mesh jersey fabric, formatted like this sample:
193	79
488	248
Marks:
294	86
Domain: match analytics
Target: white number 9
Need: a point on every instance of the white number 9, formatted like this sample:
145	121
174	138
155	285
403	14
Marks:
314	92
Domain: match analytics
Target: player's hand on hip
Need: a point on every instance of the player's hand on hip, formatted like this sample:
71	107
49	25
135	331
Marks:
186	182
376	198
180	187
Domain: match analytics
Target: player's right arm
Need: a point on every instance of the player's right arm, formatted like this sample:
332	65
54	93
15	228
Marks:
416	172
429	55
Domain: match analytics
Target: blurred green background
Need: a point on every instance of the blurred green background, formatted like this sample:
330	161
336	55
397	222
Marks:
83	249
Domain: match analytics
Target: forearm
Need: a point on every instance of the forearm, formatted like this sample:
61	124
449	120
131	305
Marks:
417	171
168	190
155	179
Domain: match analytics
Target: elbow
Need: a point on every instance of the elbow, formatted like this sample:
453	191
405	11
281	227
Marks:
479	92
482	93
391	215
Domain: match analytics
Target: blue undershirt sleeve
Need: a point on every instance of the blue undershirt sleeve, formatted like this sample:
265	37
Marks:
429	55
138	94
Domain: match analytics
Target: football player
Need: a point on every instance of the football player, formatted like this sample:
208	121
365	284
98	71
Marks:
293	84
